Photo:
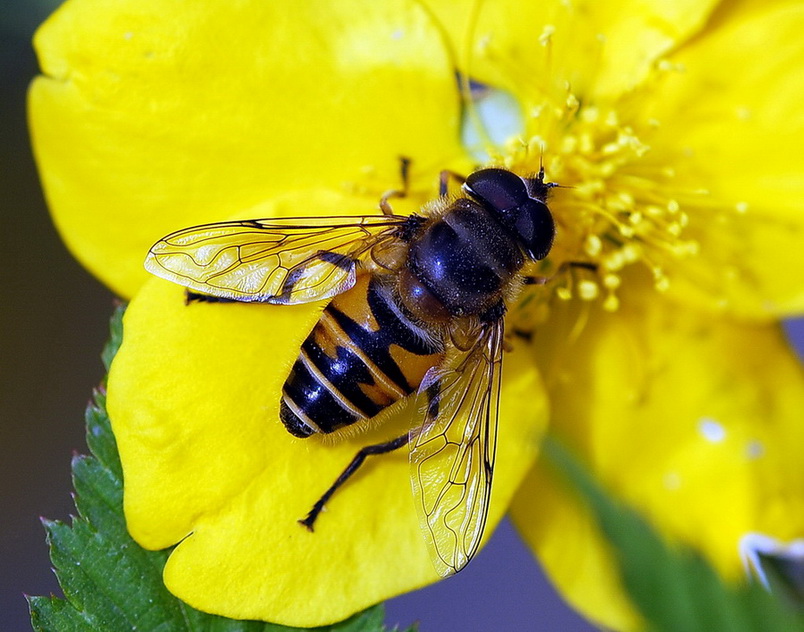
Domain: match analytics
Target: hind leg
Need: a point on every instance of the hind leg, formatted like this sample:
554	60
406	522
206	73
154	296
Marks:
357	461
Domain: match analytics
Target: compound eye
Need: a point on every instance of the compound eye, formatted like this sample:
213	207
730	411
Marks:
498	188
534	225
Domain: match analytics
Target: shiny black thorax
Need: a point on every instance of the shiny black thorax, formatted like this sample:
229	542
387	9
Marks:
469	256
465	258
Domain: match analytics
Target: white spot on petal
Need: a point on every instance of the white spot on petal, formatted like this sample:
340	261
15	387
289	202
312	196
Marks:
672	480
398	34
711	430
754	449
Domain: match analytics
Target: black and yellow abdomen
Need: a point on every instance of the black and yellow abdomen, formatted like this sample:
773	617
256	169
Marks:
363	355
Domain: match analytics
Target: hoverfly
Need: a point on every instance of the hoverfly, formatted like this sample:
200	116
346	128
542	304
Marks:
417	306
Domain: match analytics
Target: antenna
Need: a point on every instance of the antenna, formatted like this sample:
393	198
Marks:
540	177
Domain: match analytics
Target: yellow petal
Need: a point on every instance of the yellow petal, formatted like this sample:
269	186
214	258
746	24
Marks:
194	396
598	49
730	118
695	422
153	117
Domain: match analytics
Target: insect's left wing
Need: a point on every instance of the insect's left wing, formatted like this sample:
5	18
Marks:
452	455
285	261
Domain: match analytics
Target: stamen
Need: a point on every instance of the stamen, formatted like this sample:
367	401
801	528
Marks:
593	245
547	34
588	290
621	207
564	293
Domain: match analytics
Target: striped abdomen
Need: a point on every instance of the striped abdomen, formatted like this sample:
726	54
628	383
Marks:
363	355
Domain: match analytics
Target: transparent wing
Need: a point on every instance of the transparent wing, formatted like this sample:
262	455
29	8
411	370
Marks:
287	261
452	455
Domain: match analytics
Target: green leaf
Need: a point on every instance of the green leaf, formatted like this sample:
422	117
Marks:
673	587
110	583
115	336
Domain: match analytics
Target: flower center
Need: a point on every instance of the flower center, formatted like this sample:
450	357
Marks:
614	206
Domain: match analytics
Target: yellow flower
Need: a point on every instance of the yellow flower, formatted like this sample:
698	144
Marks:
675	129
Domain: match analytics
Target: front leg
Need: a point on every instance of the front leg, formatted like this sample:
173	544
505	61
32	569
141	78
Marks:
544	280
197	297
444	178
404	172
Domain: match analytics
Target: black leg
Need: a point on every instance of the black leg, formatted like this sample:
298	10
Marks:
404	172
542	280
196	297
379	448
586	265
527	336
443	180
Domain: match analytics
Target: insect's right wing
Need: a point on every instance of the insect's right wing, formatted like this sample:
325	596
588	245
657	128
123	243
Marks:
452	455
285	261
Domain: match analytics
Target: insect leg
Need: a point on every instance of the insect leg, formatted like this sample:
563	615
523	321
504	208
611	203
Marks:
197	297
544	280
404	172
443	180
357	461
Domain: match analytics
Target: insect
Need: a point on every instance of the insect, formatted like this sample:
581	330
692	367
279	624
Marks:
417	307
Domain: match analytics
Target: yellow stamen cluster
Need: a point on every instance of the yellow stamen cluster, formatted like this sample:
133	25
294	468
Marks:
612	210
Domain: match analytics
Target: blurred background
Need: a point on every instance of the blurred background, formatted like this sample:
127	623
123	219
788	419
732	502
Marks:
54	318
